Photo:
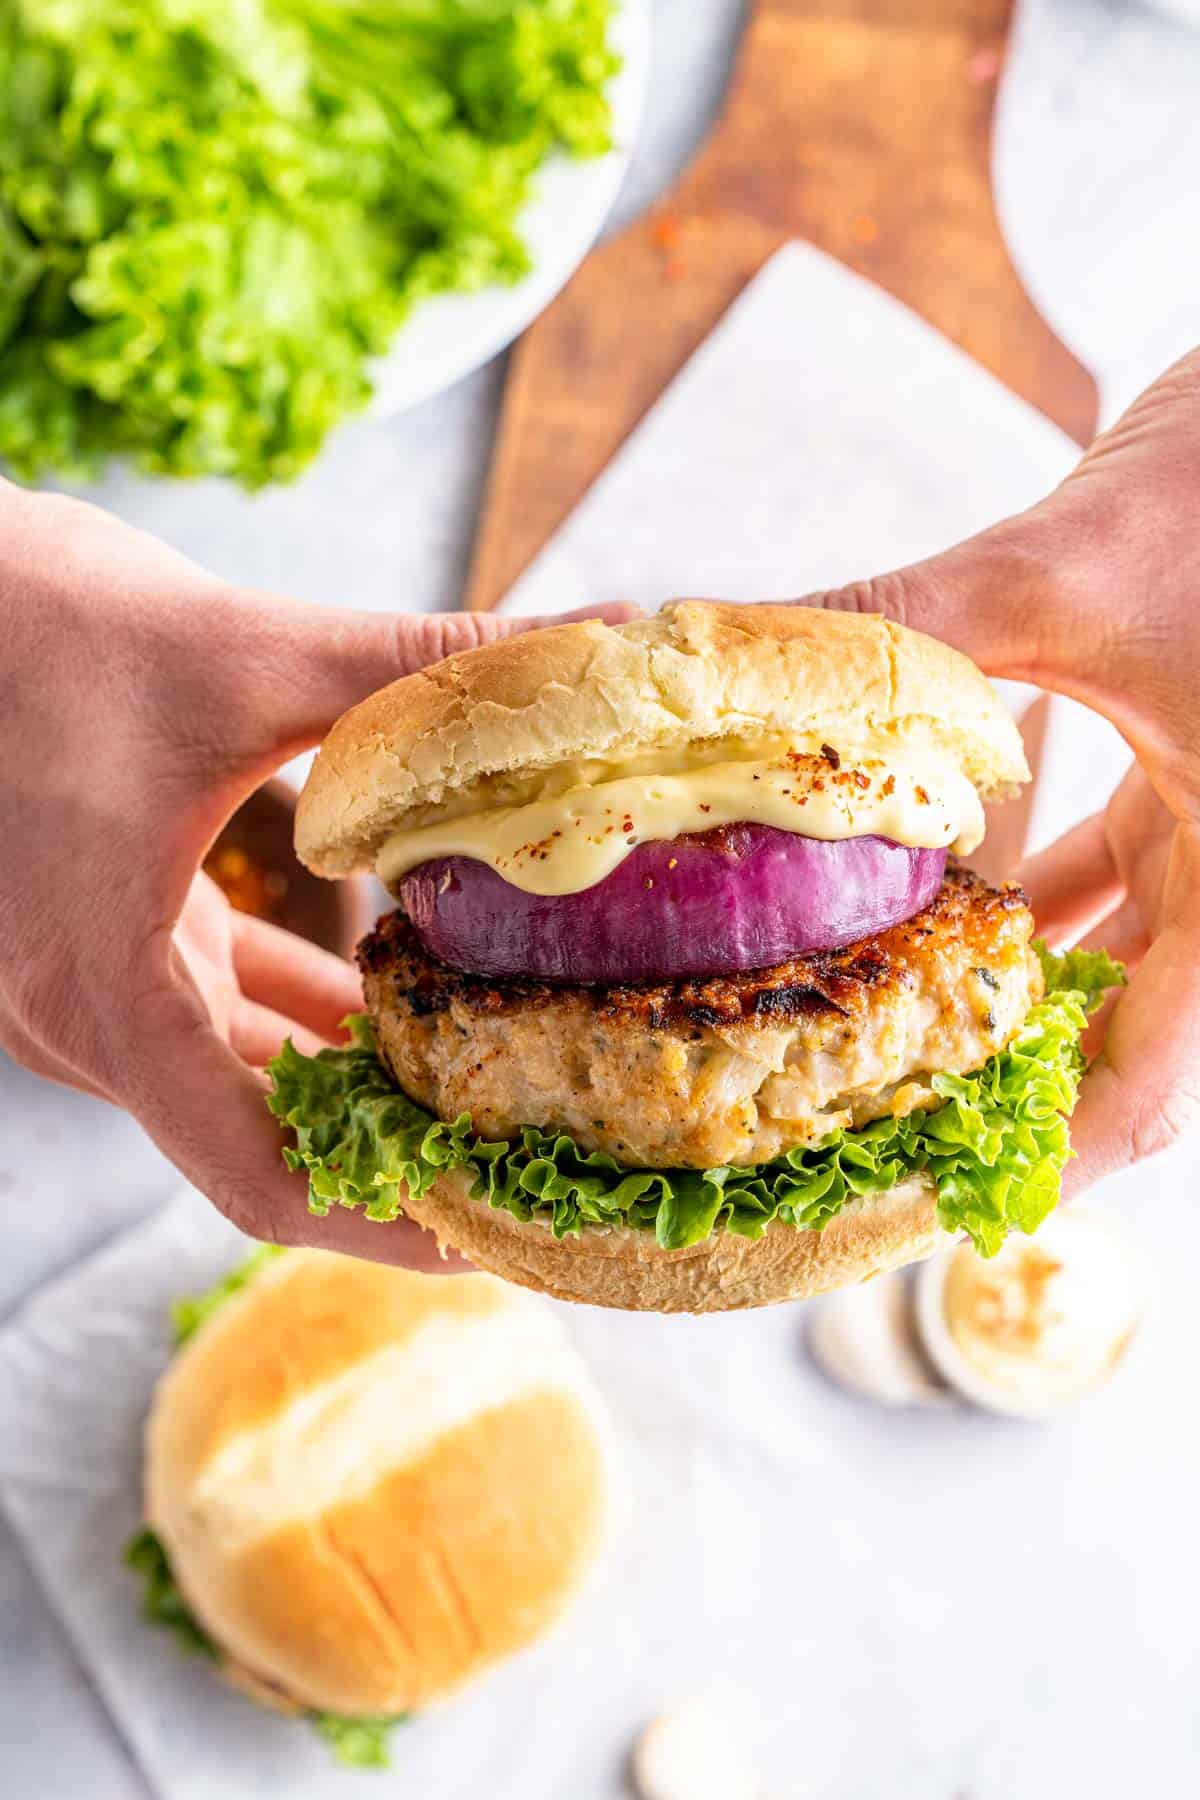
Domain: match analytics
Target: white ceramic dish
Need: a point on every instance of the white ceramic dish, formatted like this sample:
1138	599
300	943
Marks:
1104	1298
449	336
865	1339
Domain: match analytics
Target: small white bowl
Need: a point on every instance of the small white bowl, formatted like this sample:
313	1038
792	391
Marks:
1053	1315
865	1339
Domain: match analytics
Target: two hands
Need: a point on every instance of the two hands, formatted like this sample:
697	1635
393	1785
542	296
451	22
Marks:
142	700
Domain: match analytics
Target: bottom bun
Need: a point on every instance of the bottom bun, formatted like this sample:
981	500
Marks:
626	1268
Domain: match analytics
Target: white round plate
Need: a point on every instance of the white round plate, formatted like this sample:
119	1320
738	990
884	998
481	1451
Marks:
450	335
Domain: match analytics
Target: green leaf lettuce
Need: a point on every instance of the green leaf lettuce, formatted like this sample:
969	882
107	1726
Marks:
995	1146
1088	972
214	213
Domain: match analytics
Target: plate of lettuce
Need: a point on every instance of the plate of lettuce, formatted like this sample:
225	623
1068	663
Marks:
226	226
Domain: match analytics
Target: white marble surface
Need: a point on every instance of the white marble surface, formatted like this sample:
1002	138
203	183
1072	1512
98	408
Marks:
1068	1564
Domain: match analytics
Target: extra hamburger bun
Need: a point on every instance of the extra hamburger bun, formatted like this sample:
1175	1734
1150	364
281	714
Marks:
371	1485
724	1273
695	672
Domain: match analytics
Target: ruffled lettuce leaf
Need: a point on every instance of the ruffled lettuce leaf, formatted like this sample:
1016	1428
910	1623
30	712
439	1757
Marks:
1087	972
995	1147
362	1743
215	213
162	1602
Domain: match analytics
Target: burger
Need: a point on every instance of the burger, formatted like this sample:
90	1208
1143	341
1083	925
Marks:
687	1002
364	1487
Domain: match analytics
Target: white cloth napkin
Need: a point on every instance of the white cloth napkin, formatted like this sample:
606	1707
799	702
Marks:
76	1373
822	432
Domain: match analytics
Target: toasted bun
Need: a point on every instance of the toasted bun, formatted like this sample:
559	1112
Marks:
695	672
725	1273
372	1484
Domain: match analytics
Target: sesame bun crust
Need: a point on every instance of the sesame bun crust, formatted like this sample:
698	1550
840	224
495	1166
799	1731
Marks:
371	1484
724	1273
695	672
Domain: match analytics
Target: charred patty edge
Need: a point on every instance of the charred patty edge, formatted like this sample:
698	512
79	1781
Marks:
829	981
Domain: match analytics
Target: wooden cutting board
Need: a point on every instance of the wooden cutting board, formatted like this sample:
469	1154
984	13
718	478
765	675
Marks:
862	126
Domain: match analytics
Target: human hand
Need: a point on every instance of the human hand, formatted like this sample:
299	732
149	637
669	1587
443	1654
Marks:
1095	593
141	701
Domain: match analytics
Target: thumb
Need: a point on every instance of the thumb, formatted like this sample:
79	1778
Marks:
313	663
999	597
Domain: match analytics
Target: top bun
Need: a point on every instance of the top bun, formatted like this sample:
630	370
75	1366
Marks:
697	671
371	1484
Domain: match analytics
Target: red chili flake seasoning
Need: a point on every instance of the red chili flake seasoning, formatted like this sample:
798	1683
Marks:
819	785
831	756
539	850
889	787
704	808
861	778
673	863
922	796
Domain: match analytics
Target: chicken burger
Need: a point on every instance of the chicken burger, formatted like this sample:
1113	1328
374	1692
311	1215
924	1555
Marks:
687	1002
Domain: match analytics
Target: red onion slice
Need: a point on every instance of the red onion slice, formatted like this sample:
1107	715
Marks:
742	897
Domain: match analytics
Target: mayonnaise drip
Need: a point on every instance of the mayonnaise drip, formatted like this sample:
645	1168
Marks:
568	837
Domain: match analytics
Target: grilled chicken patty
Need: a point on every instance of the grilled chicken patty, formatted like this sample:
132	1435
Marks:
730	1069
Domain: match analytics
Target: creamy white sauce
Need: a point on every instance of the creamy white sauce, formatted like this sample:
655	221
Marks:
576	831
1047	1318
